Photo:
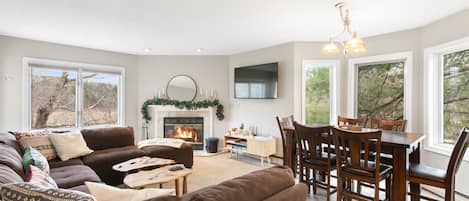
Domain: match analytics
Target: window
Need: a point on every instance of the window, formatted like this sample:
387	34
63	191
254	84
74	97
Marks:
446	94
53	98
319	93
377	87
380	92
100	98
71	95
455	94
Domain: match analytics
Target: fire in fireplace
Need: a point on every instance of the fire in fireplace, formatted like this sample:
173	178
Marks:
189	129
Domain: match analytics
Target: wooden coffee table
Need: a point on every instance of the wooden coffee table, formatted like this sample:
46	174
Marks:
159	176
140	163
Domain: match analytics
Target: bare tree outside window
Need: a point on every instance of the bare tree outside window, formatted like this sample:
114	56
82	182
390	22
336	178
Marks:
456	94
381	91
100	98
53	98
56	98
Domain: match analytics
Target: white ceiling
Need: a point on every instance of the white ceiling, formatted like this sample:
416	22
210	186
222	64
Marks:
217	26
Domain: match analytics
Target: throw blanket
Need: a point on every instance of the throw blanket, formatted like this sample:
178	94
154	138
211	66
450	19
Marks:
170	142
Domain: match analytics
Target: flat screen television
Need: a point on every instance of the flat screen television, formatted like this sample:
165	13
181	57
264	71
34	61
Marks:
256	82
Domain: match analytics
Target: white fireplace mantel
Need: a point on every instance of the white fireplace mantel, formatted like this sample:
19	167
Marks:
159	112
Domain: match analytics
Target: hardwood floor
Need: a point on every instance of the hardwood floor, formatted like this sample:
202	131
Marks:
428	191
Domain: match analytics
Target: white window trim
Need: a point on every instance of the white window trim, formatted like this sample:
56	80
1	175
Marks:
333	84
433	95
27	61
408	69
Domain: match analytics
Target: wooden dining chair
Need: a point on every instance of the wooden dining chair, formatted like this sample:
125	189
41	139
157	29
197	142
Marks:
421	174
352	165
283	123
312	157
390	125
345	121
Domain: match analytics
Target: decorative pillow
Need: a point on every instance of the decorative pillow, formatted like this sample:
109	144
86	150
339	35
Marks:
25	134
70	145
103	192
34	157
38	140
38	177
26	191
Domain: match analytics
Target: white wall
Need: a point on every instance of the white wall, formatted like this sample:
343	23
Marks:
261	112
12	51
208	72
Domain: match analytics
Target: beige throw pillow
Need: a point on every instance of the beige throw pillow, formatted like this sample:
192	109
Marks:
70	145
103	192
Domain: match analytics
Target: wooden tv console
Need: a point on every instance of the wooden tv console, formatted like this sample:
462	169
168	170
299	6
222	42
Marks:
262	147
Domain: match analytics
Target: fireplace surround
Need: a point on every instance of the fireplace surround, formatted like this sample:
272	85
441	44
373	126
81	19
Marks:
189	129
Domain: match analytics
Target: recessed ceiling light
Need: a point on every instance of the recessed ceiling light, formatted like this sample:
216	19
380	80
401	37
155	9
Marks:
146	50
199	50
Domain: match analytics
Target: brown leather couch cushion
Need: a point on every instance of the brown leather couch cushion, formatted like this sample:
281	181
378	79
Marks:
11	158
72	176
8	175
105	138
101	162
258	185
184	155
57	163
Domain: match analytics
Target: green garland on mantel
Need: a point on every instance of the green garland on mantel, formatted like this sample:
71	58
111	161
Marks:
189	105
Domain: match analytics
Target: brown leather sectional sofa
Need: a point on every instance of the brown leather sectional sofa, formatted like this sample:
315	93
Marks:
110	145
114	145
272	184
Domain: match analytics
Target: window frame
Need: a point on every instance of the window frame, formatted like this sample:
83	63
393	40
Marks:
333	86
79	68
352	79
434	95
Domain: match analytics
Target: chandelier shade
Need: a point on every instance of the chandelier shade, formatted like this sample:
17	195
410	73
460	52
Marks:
350	42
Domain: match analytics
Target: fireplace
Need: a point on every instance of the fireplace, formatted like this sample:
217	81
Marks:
189	129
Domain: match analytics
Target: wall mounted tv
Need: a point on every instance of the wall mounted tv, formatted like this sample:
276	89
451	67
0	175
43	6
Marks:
256	82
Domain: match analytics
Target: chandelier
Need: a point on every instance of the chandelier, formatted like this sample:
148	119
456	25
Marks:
347	39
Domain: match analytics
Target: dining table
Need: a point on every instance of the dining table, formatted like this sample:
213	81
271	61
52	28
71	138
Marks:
403	146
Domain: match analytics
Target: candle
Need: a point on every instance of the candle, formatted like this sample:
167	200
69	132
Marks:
201	91
206	94
154	93
211	94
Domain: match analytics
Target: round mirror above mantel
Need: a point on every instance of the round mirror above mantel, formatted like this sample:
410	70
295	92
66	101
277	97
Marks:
181	88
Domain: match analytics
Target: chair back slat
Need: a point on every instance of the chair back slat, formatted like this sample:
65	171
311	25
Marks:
345	121
310	141
457	155
284	123
390	125
353	144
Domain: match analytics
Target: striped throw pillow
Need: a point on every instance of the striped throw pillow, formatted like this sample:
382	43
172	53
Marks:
26	191
39	141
